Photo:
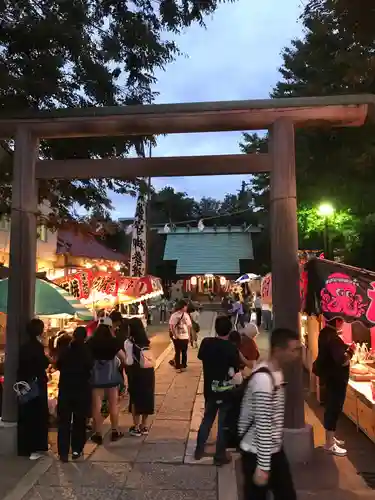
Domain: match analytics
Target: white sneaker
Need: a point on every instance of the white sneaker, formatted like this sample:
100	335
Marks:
339	442
335	449
35	456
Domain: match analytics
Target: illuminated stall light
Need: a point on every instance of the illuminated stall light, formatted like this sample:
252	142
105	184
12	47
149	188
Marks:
223	281
193	281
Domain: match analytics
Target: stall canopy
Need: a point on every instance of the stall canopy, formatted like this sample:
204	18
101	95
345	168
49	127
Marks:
50	300
101	289
338	290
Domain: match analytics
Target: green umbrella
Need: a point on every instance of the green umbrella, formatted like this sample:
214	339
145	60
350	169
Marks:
50	300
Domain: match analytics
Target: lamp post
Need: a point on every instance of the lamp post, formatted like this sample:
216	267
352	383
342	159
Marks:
326	210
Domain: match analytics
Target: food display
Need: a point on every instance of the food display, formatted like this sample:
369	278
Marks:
53	391
361	369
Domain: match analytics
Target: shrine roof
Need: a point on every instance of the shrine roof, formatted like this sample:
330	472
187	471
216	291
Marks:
215	253
79	245
211	230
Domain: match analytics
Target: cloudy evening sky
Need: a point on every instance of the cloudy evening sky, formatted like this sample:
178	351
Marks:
237	57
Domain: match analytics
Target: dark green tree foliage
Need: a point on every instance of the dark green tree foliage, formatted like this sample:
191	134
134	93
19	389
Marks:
336	56
169	206
336	164
82	53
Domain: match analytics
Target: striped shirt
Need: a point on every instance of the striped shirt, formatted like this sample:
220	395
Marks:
262	416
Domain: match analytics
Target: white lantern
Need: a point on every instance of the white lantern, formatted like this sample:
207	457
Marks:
193	281
223	281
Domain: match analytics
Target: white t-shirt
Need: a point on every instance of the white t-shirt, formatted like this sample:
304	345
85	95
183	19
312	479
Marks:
180	324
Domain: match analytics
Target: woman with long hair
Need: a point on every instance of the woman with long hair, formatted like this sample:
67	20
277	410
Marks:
106	378
75	363
141	377
33	415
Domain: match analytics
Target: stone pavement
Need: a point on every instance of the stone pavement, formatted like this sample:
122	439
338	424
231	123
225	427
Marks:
156	466
12	470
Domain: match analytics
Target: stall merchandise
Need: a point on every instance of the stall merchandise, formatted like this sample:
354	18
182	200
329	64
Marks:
335	290
53	392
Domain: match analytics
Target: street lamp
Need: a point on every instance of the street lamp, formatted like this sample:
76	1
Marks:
326	210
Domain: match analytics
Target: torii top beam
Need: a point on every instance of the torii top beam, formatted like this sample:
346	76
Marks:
340	111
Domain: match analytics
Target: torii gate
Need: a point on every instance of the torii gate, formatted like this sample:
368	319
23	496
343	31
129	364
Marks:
279	116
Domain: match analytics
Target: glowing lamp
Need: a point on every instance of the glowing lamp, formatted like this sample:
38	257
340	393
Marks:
193	281
326	210
223	281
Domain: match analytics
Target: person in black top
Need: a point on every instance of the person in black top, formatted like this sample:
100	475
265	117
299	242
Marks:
108	354
75	363
141	380
333	366
33	416
221	362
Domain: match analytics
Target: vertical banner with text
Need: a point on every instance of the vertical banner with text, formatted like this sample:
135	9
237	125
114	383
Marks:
138	255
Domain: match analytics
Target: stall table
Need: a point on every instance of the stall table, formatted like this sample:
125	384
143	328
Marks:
360	407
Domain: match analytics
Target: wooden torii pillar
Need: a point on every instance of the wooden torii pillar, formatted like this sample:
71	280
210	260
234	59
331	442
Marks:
280	116
298	437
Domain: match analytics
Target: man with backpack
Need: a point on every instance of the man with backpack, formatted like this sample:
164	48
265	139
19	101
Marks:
261	423
221	365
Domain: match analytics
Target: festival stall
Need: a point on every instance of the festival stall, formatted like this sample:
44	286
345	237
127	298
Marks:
103	290
266	297
337	290
54	305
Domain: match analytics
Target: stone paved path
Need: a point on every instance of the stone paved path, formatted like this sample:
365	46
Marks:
154	467
12	470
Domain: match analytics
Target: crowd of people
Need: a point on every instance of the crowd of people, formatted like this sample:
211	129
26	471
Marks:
90	370
243	308
247	397
96	363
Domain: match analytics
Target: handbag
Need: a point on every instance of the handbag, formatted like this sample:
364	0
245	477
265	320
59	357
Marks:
26	392
146	359
105	373
196	326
